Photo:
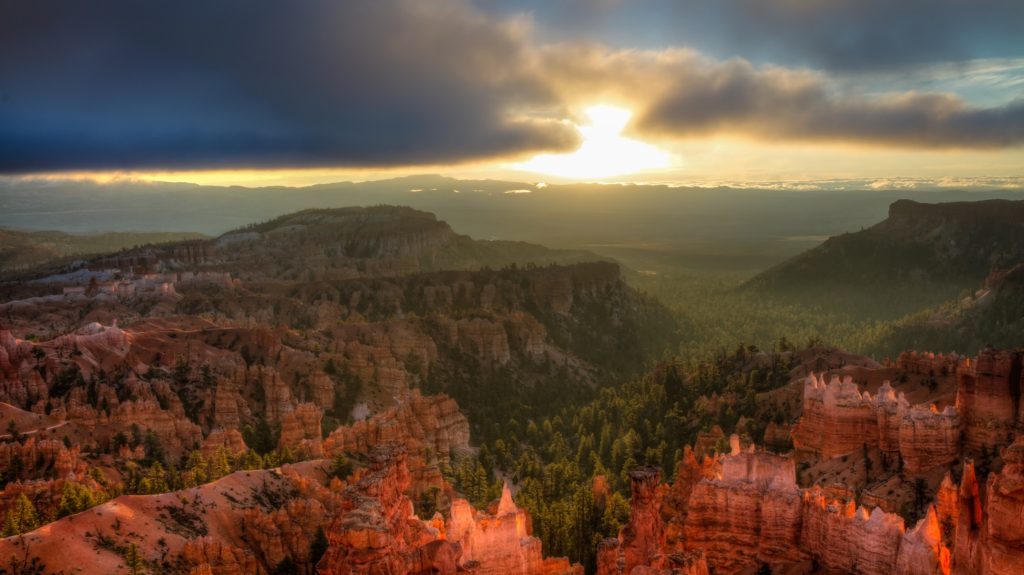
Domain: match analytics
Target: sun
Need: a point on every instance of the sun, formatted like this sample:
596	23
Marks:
604	152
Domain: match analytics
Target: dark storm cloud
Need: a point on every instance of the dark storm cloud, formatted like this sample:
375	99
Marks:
825	34
214	83
871	34
733	97
125	84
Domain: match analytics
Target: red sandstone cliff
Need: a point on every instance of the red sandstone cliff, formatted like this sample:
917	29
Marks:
429	426
377	532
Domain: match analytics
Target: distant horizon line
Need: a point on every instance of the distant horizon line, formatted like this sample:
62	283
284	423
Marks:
878	184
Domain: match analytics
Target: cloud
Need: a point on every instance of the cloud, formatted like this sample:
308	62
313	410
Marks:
196	84
774	103
868	34
823	34
203	84
682	94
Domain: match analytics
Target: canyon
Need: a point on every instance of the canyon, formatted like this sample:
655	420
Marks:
733	512
356	391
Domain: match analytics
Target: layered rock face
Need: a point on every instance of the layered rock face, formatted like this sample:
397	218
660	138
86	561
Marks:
378	533
300	429
1003	546
499	541
933	363
752	512
989	397
431	427
989	531
845	537
641	545
839	419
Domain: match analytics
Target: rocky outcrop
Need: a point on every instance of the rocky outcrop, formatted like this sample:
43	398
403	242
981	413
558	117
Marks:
377	532
300	431
211	556
230	440
13	352
277	394
1004	545
431	427
839	419
989	527
845	537
641	544
499	541
989	397
748	514
933	364
922	551
929	439
751	512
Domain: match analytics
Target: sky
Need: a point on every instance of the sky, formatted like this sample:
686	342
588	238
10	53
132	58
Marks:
684	91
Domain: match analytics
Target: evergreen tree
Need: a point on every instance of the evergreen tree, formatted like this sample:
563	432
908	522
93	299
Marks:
21	518
74	498
133	560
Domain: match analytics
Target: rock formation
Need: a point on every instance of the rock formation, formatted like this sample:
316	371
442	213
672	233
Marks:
300	430
989	396
378	533
499	541
752	512
431	427
989	531
641	544
839	419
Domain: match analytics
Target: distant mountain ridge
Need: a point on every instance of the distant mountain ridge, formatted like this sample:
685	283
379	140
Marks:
20	250
989	317
340	244
921	255
744	230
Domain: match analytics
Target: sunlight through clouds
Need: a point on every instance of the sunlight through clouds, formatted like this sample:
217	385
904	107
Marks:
604	152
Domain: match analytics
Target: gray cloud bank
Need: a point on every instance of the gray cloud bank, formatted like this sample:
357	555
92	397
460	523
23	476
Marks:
734	97
211	83
122	84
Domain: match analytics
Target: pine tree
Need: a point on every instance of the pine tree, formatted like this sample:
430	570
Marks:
22	517
133	560
74	498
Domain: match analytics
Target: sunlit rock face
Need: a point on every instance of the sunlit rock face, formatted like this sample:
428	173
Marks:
990	399
378	533
845	537
750	512
839	419
641	546
499	541
300	430
1003	541
430	427
986	520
